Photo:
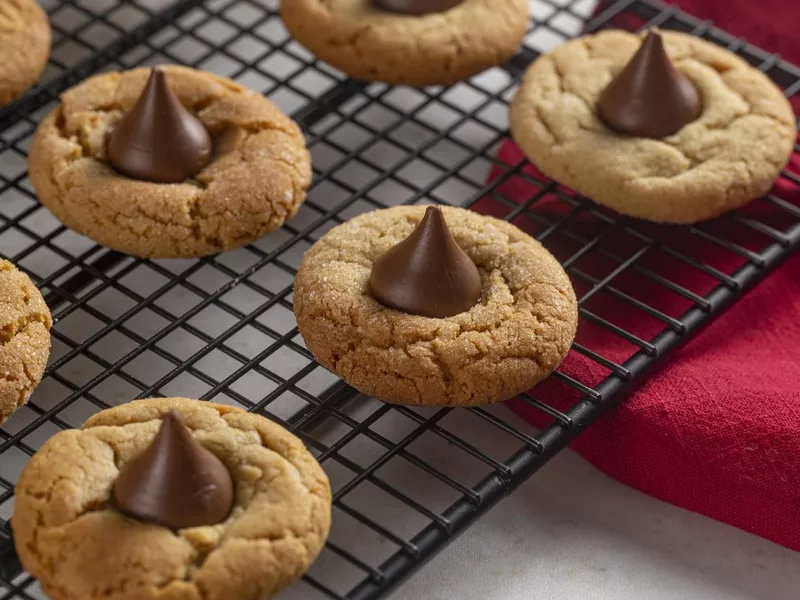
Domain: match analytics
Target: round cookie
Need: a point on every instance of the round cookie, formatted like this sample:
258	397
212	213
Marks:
256	180
517	334
25	323
729	156
24	46
69	535
434	49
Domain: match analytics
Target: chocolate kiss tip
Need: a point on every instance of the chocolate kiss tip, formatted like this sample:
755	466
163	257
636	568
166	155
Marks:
649	97
174	417
175	482
416	7
427	274
159	140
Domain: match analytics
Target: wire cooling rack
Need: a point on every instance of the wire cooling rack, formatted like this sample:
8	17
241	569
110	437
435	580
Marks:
406	481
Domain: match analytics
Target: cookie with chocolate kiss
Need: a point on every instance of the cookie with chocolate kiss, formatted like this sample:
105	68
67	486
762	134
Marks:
434	306
169	162
662	126
409	42
173	497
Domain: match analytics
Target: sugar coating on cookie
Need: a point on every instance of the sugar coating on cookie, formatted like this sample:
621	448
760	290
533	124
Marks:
442	48
25	324
24	46
256	180
517	334
69	535
727	157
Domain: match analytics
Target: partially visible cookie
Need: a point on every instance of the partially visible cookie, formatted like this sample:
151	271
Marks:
24	46
69	533
727	157
518	332
375	44
256	180
25	323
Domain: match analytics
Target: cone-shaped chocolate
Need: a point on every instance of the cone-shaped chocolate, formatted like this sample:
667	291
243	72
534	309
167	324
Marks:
175	482
649	97
158	139
427	273
416	7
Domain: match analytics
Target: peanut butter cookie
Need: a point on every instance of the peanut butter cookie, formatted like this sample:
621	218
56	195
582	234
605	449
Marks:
256	179
69	533
411	42
24	46
25	337
513	337
719	161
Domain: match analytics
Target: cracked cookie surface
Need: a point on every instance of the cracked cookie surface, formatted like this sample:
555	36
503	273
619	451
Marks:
515	336
727	157
257	178
437	49
25	323
68	534
24	46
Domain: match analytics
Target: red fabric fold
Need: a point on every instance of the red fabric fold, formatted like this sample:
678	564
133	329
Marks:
717	429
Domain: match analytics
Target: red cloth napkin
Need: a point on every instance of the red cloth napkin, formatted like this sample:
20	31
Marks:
717	429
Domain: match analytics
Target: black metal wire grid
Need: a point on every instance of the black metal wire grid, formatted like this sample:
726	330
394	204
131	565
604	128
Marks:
406	481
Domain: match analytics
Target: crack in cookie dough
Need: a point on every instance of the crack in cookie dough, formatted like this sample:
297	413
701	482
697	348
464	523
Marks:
443	48
64	521
24	46
25	324
11	17
514	337
729	156
256	181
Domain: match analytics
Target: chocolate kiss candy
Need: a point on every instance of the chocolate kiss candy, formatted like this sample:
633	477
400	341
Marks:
427	273
158	139
416	7
649	97
175	482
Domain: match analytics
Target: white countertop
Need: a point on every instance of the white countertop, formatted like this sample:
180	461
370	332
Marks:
572	533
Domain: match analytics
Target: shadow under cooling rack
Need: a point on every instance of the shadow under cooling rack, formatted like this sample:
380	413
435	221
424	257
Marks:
406	480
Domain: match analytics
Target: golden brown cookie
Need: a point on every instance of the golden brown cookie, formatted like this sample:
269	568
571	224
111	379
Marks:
513	338
25	336
69	535
377	45
727	157
255	182
24	46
